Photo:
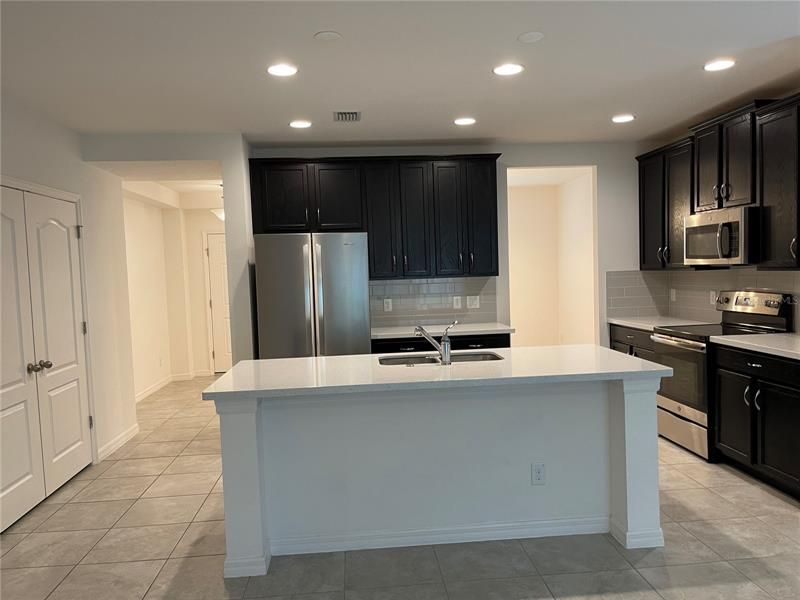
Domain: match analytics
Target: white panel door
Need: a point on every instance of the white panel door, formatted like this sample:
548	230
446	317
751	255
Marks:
220	305
58	338
21	470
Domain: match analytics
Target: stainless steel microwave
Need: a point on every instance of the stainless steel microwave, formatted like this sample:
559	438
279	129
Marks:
719	237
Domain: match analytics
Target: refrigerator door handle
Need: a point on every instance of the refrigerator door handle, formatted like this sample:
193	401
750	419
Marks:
319	301
308	297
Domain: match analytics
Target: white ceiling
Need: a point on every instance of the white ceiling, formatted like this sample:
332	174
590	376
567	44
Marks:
544	175
410	67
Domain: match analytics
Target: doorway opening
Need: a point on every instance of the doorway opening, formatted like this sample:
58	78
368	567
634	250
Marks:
177	276
553	266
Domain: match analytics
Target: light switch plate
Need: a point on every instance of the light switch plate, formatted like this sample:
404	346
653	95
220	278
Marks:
473	301
456	301
387	305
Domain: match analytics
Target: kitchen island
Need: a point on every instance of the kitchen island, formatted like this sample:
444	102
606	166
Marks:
339	453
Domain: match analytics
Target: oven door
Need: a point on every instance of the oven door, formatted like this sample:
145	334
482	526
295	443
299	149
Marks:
687	386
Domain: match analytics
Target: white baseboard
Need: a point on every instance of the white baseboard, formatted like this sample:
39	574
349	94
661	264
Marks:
246	567
450	535
649	538
152	389
110	447
182	376
203	373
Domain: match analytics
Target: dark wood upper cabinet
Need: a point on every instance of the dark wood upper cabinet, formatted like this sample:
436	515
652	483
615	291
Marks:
481	199
448	210
281	198
707	168
380	185
737	183
416	218
777	443
338	202
778	184
678	199
651	211
733	431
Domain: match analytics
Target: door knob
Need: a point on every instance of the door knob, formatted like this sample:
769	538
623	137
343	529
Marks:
45	364
34	368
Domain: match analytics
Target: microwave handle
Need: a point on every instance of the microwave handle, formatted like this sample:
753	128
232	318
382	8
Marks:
719	240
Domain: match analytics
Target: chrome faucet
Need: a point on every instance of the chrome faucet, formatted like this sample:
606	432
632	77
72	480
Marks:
442	348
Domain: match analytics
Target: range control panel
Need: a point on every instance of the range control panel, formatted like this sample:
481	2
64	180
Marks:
754	301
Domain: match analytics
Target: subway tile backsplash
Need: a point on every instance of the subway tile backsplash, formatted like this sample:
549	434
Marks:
626	296
430	301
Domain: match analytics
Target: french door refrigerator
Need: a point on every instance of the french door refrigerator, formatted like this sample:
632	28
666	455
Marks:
312	294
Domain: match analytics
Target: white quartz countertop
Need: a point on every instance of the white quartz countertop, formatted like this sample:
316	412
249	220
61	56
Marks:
407	331
648	323
786	345
275	378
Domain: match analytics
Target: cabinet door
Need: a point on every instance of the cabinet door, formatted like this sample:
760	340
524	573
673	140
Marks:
777	442
777	186
337	197
416	217
380	190
737	161
643	353
707	168
733	423
678	166
285	198
651	211
448	218
481	193
620	347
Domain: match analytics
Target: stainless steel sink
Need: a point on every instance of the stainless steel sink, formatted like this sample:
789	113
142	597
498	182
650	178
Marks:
475	357
408	361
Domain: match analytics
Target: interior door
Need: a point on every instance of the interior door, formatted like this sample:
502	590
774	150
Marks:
220	304
57	309
21	469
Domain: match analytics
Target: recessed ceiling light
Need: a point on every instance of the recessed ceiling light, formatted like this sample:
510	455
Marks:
530	37
464	121
508	69
719	64
623	118
282	70
327	36
300	124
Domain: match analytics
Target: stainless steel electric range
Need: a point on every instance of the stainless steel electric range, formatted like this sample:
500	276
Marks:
683	398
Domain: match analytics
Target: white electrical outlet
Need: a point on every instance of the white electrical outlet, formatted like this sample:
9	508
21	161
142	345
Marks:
387	305
673	294
712	297
456	301
473	301
537	474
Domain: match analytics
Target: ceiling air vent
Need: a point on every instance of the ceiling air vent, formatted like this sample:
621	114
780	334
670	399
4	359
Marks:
347	116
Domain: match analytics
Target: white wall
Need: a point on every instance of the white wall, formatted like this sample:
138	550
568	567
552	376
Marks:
199	222
147	287
577	296
533	264
39	151
175	264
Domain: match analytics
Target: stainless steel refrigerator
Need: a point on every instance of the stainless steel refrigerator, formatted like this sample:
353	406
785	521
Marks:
312	294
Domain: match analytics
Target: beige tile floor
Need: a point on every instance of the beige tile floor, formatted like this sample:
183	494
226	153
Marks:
148	523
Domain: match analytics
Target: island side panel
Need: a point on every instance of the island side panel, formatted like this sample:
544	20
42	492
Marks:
635	518
246	534
407	467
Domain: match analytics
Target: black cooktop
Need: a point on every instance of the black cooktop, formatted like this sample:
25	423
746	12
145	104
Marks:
701	333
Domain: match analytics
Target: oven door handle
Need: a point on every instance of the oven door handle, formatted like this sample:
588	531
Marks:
682	344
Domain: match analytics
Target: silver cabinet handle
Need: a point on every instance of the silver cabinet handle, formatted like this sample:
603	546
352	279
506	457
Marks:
471	261
318	219
747	389
715	193
405	261
474	345
407	349
665	254
460	261
659	254
793	248
755	400
306	215
754	365
630	337
45	364
34	368
394	263
725	191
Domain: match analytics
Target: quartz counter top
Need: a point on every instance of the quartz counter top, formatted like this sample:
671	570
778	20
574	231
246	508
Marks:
407	331
255	379
786	345
649	323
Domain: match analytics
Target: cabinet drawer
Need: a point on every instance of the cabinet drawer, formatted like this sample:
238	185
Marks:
758	365
388	346
632	337
457	342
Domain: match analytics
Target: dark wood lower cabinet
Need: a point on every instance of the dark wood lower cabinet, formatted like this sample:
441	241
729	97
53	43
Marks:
733	426
457	342
778	431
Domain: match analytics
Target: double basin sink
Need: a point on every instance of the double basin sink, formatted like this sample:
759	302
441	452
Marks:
433	359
